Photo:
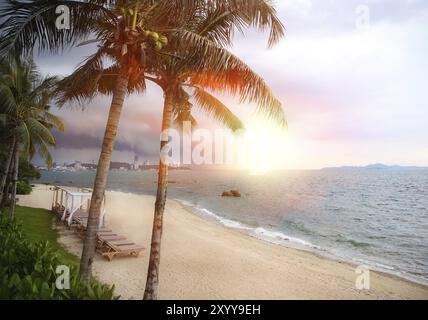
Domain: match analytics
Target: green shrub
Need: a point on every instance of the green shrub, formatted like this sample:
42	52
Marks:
23	188
28	271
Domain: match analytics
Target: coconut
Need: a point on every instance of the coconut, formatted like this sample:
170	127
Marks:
154	36
163	40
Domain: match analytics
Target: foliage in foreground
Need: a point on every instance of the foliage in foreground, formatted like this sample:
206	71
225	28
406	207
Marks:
28	271
27	171
23	188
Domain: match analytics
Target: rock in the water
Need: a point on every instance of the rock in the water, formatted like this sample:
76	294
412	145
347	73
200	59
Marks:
232	193
236	193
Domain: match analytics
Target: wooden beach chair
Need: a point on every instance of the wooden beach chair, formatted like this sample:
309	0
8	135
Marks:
112	246
103	231
79	222
102	239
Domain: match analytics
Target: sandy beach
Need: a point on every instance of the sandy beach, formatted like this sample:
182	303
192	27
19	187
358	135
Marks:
203	260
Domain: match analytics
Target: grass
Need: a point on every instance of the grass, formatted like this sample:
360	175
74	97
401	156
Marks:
37	226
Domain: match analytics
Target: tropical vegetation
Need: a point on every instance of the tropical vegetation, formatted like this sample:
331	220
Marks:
178	44
28	269
25	119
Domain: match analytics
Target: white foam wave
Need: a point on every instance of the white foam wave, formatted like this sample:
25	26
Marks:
280	238
258	232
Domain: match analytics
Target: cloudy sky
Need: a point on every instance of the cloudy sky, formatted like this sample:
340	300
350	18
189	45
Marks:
352	76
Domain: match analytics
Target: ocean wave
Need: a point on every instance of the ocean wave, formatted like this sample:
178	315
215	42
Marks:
226	222
353	243
279	238
276	237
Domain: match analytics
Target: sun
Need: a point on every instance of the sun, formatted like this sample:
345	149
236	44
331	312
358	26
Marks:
264	145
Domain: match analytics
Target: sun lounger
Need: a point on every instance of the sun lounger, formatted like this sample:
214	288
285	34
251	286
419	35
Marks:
101	232
121	242
112	247
104	237
79	222
109	244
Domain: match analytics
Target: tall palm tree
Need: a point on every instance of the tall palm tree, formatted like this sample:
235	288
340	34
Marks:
24	109
127	30
186	66
117	29
174	75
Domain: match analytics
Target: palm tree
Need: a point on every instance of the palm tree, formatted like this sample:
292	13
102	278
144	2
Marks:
24	109
179	67
123	29
117	28
173	75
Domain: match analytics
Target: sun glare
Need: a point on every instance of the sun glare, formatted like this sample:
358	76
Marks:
265	146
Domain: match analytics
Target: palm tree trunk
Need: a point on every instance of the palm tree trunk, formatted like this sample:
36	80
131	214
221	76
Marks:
151	292
101	176
5	173
14	180
6	194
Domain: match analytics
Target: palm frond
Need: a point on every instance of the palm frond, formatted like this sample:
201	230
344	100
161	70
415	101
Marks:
218	26
43	91
225	16
53	121
221	71
43	150
7	98
38	130
32	24
25	137
262	15
216	109
82	84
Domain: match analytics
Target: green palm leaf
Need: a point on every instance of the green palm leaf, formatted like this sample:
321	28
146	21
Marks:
216	109
24	98
32	24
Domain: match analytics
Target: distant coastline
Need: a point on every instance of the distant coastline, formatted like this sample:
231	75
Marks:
376	166
114	166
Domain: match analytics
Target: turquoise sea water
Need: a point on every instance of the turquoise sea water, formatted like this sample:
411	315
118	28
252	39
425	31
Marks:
374	217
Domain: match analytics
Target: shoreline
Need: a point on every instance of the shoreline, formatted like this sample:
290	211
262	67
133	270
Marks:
309	247
195	250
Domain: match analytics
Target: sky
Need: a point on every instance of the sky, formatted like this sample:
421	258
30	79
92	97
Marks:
351	75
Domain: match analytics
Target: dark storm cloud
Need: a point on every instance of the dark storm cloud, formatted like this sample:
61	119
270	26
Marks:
84	141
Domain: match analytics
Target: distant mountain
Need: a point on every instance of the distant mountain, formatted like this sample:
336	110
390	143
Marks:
377	166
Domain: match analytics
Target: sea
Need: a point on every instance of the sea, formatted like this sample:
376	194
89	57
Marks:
377	218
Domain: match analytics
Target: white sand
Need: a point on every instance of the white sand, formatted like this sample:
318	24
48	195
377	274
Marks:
202	260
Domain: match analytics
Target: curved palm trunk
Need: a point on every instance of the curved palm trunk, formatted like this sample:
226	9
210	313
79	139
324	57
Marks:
101	176
151	292
7	191
7	166
14	180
